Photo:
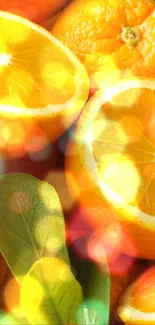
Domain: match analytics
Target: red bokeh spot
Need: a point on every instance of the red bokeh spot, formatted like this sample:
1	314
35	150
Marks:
37	141
121	265
78	232
105	244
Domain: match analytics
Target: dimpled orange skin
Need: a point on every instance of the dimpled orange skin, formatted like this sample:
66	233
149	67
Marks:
93	31
35	10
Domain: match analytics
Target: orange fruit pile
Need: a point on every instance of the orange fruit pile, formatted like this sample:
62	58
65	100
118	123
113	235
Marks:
112	38
110	159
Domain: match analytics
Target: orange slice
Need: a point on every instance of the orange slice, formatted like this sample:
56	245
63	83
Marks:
111	164
137	304
43	85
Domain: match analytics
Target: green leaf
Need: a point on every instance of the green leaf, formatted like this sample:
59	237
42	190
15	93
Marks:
50	294
7	319
18	316
96	286
31	222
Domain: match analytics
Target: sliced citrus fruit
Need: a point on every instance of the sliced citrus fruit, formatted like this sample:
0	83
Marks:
43	85
137	304
119	282
110	163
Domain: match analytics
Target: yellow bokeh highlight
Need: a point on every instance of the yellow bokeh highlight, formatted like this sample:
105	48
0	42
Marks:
13	101
119	173
13	133
55	74
126	99
104	130
55	78
102	69
27	306
44	233
65	274
108	137
49	281
55	270
58	180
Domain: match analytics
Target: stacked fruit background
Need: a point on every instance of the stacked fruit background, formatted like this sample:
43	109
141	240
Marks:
77	162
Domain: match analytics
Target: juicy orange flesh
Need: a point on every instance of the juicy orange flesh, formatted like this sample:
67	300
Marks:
124	146
143	295
34	72
97	40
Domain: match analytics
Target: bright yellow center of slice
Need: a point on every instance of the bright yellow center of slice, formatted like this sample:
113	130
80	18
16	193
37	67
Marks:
5	59
124	147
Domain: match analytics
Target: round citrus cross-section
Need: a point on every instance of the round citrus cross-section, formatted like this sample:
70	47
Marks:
137	305
43	84
111	170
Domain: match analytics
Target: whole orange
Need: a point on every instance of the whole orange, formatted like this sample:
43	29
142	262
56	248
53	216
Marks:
111	38
35	10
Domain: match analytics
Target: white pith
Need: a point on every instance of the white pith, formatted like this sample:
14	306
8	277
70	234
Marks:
128	313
